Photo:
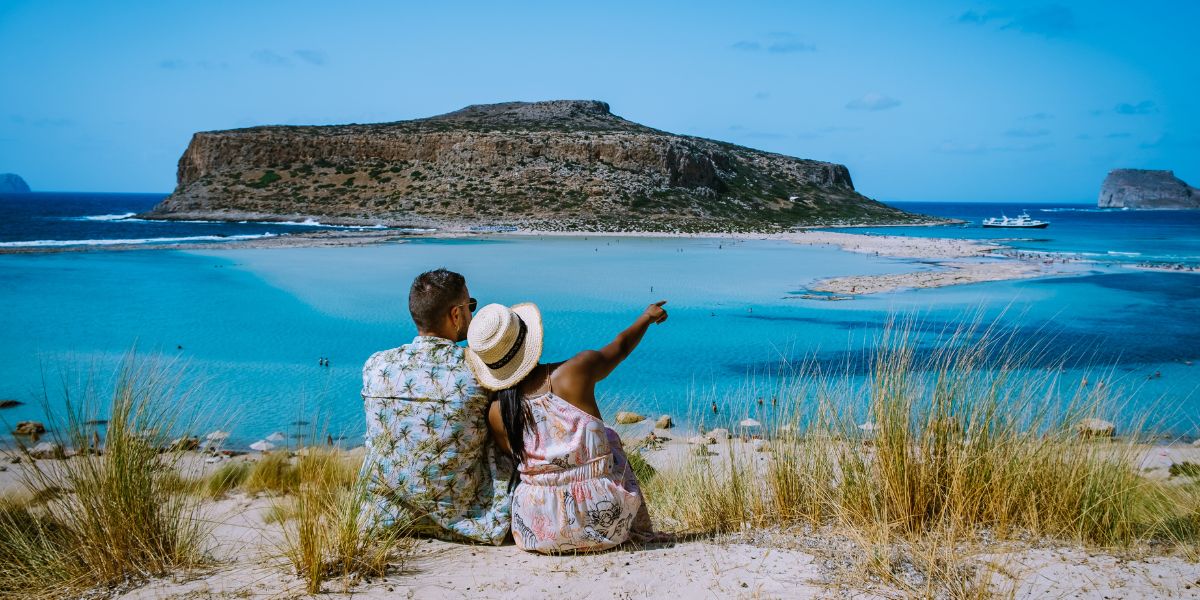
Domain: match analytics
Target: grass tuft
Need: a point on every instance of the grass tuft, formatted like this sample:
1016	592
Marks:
327	533
973	439
113	513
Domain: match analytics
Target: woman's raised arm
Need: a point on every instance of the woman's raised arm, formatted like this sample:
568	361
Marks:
599	363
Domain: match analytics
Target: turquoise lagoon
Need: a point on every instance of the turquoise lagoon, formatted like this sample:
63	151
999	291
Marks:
252	323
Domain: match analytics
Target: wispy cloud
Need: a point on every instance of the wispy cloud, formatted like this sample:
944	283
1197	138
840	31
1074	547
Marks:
777	42
312	57
821	132
762	95
1168	140
1038	116
1145	107
949	147
178	64
1020	132
873	101
1118	135
1050	21
271	58
41	122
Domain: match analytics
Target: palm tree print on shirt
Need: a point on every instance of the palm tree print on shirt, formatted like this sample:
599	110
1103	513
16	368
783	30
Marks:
428	450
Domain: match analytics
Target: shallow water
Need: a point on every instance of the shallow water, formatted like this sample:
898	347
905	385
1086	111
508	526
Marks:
248	326
253	323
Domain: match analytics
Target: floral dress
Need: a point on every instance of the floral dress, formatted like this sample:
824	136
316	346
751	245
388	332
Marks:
577	491
429	455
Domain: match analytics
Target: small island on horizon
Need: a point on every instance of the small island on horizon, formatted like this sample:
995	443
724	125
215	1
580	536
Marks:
564	165
1147	189
11	183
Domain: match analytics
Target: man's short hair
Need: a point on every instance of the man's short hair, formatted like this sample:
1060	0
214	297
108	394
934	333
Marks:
432	294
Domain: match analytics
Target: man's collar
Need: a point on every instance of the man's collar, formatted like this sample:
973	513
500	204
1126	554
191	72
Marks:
433	340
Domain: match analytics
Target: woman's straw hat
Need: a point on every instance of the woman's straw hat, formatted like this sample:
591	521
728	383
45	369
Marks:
504	344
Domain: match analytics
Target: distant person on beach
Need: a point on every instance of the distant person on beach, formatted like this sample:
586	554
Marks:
429	457
574	488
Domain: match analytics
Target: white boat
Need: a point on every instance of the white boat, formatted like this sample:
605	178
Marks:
1021	221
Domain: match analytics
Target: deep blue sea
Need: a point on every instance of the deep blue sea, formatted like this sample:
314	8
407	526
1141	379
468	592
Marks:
246	327
1153	236
42	219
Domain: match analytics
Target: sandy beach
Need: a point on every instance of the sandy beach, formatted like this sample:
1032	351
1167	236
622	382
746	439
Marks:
796	562
955	261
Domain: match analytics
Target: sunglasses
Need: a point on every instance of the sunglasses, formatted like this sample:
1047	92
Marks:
471	304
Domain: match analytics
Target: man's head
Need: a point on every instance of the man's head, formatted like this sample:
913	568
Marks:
439	304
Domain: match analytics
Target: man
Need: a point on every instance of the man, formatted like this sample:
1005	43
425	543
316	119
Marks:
429	458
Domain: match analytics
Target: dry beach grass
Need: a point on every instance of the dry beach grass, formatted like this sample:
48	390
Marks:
972	481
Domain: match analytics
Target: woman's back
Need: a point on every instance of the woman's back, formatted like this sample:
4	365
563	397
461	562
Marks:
576	493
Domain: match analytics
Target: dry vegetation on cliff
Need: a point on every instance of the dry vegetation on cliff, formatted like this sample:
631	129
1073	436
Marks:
561	165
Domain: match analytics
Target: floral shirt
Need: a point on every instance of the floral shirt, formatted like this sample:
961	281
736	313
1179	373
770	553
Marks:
429	454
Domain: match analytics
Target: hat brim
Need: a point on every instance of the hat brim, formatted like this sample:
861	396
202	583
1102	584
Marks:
526	359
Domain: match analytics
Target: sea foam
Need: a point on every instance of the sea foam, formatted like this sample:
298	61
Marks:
103	217
164	240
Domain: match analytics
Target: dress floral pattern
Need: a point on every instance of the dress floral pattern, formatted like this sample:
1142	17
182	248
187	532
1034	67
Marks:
429	458
577	491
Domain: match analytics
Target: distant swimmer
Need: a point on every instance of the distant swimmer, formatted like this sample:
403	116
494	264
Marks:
760	402
714	408
179	347
651	289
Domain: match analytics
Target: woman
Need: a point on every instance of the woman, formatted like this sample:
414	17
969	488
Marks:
577	492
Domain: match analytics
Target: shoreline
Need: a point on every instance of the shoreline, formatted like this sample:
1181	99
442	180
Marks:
955	261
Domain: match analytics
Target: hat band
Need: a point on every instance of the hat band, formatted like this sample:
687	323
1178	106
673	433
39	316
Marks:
512	352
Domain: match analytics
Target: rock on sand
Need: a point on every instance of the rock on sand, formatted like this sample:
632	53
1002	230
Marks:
29	428
629	418
664	422
1095	428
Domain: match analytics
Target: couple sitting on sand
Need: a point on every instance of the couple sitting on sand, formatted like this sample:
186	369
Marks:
468	444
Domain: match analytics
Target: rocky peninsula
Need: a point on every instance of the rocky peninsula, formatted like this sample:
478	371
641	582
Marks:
1141	188
11	183
567	165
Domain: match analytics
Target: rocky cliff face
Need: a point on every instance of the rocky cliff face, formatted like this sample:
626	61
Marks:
1138	188
557	165
12	183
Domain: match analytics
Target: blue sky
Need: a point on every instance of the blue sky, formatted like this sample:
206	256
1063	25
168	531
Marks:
939	100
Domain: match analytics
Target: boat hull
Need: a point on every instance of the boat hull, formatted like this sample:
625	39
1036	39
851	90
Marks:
1037	226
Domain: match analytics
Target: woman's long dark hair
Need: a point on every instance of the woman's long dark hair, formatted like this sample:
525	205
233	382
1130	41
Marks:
514	411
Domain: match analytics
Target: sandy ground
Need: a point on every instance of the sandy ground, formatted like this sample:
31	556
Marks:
248	559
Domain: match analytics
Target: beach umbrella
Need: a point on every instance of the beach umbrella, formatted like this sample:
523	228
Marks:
262	446
749	423
275	437
217	436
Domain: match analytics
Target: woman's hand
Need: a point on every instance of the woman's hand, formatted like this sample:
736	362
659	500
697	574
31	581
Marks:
655	312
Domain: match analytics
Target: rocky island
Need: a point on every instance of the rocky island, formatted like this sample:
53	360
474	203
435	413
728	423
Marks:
1140	188
554	166
11	183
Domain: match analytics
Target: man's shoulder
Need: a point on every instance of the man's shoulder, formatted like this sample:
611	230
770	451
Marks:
418	354
389	355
